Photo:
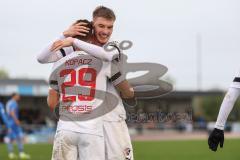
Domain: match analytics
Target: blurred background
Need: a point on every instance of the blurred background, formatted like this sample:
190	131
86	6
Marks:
198	41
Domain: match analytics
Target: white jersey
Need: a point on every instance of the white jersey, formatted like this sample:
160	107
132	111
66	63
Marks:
80	78
119	113
46	56
228	102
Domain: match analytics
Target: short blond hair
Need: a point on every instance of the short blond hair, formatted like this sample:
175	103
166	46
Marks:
102	11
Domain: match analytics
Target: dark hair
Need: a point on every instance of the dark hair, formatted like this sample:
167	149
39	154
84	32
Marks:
104	12
88	35
14	94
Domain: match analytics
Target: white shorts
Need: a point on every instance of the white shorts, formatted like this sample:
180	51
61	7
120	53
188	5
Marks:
70	145
118	144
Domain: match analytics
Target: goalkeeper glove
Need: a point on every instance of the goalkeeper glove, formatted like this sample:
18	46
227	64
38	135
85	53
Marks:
216	137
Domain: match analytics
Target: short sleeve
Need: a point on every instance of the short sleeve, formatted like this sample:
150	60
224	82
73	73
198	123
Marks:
12	107
115	75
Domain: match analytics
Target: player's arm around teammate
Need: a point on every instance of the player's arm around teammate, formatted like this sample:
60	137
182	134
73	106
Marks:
124	87
48	55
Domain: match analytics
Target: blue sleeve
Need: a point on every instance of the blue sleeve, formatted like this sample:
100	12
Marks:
12	107
5	120
4	116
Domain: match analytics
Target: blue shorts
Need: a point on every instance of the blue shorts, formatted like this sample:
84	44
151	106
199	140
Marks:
15	132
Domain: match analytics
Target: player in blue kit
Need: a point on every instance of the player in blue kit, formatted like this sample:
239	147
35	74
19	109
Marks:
15	132
3	115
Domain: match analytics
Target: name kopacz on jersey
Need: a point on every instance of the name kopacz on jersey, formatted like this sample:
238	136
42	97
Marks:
78	61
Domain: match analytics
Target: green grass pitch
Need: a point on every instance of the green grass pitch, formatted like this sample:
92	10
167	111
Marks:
158	150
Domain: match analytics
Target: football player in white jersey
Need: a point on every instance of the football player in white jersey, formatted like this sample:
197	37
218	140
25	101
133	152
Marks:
217	135
117	140
79	131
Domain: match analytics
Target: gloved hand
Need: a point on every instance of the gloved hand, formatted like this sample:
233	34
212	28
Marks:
216	137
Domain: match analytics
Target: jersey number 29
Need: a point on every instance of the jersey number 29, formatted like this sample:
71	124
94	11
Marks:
91	84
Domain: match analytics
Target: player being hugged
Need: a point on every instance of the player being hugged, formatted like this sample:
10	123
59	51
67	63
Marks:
116	137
